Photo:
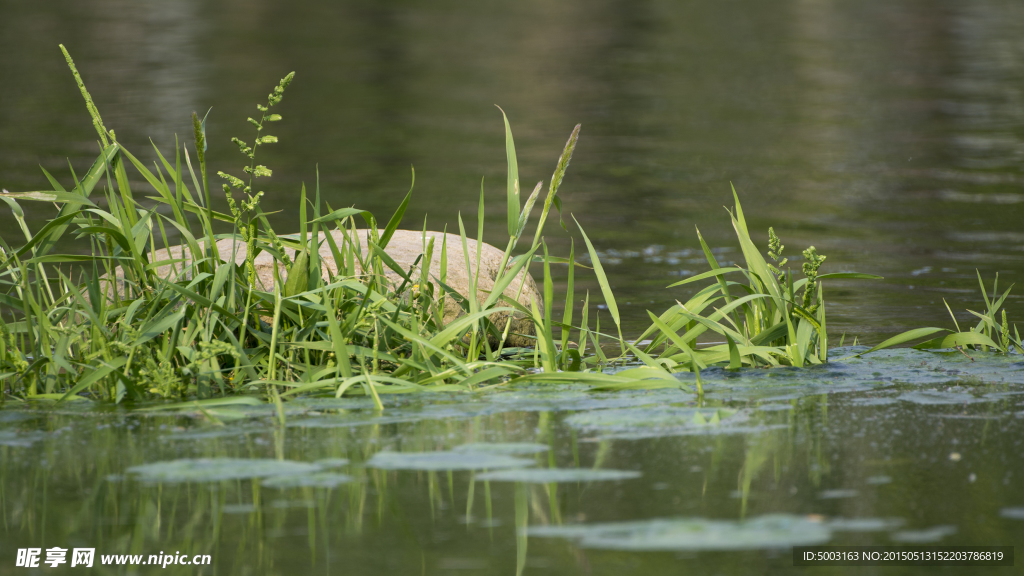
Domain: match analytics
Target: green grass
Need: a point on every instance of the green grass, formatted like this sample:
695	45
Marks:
75	327
993	330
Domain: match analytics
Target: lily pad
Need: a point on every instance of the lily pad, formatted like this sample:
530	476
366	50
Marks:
315	480
20	439
924	368
775	407
837	494
874	401
238	509
507	448
443	461
1013	513
217	432
331	462
662	421
544	398
1003	395
214	469
864	524
285	504
333	403
939	397
763	532
933	534
11	416
395	416
550	475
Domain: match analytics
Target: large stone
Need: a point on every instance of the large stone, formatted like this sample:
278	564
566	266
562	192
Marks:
405	247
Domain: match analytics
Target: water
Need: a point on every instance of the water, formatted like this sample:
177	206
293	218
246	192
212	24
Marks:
899	447
890	135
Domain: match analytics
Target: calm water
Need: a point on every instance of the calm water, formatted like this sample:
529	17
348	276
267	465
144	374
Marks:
903	447
889	134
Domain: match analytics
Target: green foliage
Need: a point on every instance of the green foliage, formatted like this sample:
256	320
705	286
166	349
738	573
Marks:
119	325
992	330
247	215
115	329
812	261
513	178
763	321
775	249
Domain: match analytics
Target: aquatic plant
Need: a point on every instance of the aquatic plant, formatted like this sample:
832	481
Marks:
128	320
133	319
992	331
766	321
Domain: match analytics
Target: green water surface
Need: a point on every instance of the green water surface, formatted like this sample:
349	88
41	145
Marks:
900	447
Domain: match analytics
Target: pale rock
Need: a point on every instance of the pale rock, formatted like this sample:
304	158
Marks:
404	247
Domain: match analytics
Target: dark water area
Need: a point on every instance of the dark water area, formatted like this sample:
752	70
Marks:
890	135
897	448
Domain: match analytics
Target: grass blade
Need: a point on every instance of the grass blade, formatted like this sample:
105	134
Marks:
513	178
602	280
902	338
396	218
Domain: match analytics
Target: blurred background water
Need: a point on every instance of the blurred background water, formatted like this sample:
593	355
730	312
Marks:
890	135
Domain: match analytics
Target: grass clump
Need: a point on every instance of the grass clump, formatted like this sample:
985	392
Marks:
769	319
132	319
992	333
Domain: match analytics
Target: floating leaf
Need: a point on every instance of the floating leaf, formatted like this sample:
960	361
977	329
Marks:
928	535
771	531
863	524
551	475
443	461
506	448
214	469
1012	513
837	494
19	439
939	397
315	480
331	462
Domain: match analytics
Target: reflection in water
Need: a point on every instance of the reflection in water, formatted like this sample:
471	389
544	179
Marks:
934	461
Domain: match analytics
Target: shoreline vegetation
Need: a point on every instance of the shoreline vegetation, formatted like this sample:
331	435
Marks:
241	314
